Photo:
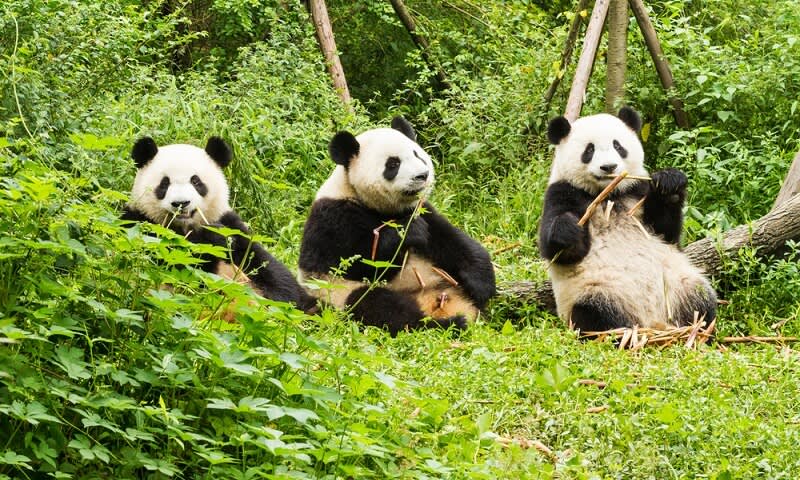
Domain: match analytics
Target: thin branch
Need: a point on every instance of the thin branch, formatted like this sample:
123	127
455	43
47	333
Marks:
566	55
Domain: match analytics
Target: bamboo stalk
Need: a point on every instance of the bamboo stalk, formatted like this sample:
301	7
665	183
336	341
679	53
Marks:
636	206
602	196
757	339
452	281
632	177
419	277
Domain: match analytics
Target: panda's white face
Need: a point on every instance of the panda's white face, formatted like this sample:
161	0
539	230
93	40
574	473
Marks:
595	148
384	169
391	172
181	186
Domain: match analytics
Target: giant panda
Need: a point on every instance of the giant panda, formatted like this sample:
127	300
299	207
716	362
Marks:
184	188
440	276
623	269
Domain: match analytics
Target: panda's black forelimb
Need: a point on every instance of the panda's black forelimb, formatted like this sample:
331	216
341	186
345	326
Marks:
337	229
561	239
133	215
460	256
265	271
393	311
663	208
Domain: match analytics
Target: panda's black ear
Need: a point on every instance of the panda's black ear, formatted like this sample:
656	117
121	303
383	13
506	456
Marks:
219	151
143	151
557	129
343	148
630	118
403	126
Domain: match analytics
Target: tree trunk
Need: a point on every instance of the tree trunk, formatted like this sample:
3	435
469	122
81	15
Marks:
791	184
617	51
769	234
566	55
660	61
584	69
322	25
420	41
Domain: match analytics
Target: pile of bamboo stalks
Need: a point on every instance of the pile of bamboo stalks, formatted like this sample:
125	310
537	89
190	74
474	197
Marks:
690	336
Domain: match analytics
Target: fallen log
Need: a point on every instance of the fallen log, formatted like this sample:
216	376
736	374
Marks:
768	235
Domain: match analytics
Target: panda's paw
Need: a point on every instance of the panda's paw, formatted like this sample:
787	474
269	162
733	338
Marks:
204	235
670	182
417	234
565	231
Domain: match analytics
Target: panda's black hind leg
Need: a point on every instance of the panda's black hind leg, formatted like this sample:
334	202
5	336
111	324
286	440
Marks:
393	311
597	315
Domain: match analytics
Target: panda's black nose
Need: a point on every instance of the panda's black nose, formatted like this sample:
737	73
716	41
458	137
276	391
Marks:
182	204
609	167
421	177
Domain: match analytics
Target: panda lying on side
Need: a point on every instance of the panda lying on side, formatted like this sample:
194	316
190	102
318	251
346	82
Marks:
183	187
439	271
626	269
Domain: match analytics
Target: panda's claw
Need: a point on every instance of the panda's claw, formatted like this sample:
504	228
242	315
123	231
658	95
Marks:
670	181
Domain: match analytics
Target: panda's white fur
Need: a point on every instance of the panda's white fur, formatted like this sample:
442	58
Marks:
644	277
182	204
630	273
381	176
362	179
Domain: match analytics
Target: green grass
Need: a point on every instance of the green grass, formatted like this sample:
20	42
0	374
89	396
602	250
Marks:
669	413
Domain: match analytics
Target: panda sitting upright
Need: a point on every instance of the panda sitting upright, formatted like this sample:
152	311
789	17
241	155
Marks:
623	268
438	273
182	187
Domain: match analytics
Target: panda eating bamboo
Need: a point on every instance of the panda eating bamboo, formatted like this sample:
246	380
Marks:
623	268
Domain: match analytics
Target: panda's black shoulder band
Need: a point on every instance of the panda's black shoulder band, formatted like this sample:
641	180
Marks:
219	151
558	129
143	151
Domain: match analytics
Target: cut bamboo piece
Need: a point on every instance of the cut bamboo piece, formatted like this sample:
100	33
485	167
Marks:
602	196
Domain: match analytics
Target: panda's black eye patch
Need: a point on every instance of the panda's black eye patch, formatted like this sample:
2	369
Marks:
416	154
198	185
620	149
161	189
588	153
391	168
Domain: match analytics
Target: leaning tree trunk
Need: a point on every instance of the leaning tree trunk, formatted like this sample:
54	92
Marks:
322	25
420	41
791	184
566	55
768	234
617	51
660	61
586	61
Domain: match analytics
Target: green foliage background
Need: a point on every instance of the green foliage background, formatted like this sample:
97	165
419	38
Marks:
105	373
